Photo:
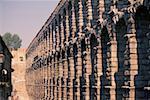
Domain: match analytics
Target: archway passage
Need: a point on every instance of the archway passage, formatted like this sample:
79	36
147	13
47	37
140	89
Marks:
142	19
93	77
106	78
122	56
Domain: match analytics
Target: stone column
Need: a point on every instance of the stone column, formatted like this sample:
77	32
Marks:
113	59
51	40
88	69
67	23
78	71
73	20
68	78
52	77
101	9
80	15
114	69
65	76
71	73
55	77
89	12
62	60
132	47
71	77
60	76
62	31
57	36
99	70
48	78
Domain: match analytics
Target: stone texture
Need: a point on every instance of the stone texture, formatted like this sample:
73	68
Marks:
98	51
18	76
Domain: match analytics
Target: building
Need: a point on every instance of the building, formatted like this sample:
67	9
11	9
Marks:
92	50
5	71
18	76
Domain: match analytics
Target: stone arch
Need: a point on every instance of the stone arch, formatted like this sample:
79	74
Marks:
142	22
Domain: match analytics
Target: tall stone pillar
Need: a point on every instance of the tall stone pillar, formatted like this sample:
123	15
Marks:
101	9
62	31
65	76
52	77
55	77
78	71
67	23
51	61
71	77
70	74
132	48
114	69
51	40
73	20
99	70
60	76
57	36
88	70
89	12
80	15
113	59
48	79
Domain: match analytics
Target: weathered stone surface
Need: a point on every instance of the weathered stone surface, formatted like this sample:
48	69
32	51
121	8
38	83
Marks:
18	76
102	55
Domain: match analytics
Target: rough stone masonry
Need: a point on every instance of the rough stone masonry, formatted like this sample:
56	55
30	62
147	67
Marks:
92	50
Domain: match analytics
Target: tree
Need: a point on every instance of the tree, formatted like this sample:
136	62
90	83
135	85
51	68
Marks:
12	41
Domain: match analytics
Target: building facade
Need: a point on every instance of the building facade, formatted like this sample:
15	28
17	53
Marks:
5	71
18	76
92	50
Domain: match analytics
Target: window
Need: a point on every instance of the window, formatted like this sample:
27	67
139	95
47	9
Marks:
21	58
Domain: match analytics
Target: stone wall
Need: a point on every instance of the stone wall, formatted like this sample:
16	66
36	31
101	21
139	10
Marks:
91	50
18	76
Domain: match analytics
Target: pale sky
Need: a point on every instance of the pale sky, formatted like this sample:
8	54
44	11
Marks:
25	17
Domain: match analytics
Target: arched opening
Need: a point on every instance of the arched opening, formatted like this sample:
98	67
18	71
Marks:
142	22
76	6
56	33
105	79
59	21
83	78
64	23
75	52
84	13
62	79
70	18
121	30
53	36
94	4
93	77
